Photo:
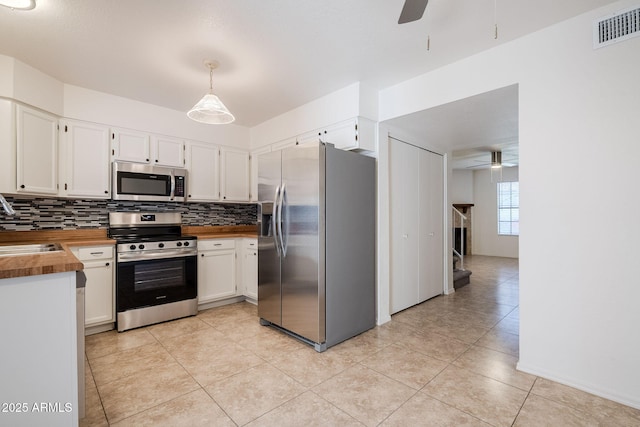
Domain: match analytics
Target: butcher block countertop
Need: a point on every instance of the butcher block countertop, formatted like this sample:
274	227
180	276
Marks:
62	261
48	262
220	231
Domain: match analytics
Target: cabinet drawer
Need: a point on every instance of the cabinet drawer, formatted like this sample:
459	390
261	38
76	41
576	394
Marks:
215	244
93	252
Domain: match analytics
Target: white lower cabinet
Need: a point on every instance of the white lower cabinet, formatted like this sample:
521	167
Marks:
216	269
99	296
249	268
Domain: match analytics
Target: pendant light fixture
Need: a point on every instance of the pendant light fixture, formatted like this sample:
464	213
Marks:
18	4
210	109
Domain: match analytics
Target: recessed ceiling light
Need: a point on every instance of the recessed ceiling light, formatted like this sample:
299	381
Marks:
18	4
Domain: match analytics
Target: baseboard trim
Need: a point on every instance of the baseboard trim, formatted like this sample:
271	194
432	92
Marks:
588	388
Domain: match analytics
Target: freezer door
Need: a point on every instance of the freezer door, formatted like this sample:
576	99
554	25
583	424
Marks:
302	278
269	182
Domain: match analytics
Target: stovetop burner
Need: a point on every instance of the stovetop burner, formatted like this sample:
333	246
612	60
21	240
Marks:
146	239
144	231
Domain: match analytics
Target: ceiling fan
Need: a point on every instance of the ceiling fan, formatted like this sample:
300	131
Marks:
412	10
496	162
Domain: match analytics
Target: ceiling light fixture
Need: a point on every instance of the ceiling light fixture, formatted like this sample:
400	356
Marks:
496	159
18	4
210	109
496	163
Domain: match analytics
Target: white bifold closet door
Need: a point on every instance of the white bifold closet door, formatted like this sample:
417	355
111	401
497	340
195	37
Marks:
417	207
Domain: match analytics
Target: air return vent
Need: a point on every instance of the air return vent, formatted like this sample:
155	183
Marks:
615	28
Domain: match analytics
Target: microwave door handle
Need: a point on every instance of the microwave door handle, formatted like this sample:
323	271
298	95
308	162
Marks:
173	185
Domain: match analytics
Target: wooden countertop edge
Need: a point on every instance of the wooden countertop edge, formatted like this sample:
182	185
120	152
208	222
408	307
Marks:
34	265
59	262
225	235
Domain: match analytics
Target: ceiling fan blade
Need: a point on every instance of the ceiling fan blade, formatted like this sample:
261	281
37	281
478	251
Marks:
412	10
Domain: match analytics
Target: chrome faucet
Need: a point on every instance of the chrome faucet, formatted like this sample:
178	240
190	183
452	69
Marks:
6	206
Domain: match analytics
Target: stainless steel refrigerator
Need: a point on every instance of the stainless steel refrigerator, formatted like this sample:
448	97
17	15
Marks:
316	244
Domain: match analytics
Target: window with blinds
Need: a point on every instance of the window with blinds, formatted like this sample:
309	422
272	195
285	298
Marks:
508	208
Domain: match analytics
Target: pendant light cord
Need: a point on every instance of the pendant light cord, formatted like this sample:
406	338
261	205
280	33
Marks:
495	18
210	79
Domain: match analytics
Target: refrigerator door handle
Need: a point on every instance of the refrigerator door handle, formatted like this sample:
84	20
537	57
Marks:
284	221
280	221
275	221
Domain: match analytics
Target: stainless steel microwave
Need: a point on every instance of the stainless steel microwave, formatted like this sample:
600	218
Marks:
140	181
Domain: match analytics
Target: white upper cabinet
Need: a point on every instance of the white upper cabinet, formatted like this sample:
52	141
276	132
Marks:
235	175
36	151
356	133
352	134
84	160
254	170
130	146
306	138
202	161
167	151
289	142
343	135
7	147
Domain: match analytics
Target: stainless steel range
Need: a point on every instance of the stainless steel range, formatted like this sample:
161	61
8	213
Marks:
156	268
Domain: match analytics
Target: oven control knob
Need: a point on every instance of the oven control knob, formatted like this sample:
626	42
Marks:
186	243
132	247
140	246
179	244
161	245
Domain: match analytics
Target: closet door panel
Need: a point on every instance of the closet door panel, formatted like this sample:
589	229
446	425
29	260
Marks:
404	186
431	225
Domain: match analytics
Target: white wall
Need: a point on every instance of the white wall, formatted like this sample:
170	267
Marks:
354	100
98	107
579	154
461	186
486	240
23	83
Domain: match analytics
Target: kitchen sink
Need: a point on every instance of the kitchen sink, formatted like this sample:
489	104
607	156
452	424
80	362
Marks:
30	249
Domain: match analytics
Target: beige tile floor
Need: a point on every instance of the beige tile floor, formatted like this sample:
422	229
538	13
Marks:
447	362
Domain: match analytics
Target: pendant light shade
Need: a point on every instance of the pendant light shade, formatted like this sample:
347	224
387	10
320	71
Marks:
19	4
210	109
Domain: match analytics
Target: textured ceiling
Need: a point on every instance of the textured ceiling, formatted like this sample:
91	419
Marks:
274	55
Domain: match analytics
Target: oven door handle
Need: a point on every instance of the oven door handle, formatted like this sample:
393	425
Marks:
155	256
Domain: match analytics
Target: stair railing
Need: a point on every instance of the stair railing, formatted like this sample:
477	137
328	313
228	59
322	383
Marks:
460	215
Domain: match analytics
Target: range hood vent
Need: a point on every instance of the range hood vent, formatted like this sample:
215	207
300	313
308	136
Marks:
615	28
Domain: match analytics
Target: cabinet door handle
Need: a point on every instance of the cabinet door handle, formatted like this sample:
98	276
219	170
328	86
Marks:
96	253
107	264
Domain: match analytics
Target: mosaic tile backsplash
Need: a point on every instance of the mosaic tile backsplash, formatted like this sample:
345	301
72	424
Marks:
67	214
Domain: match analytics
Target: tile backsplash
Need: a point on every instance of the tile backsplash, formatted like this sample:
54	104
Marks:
65	214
